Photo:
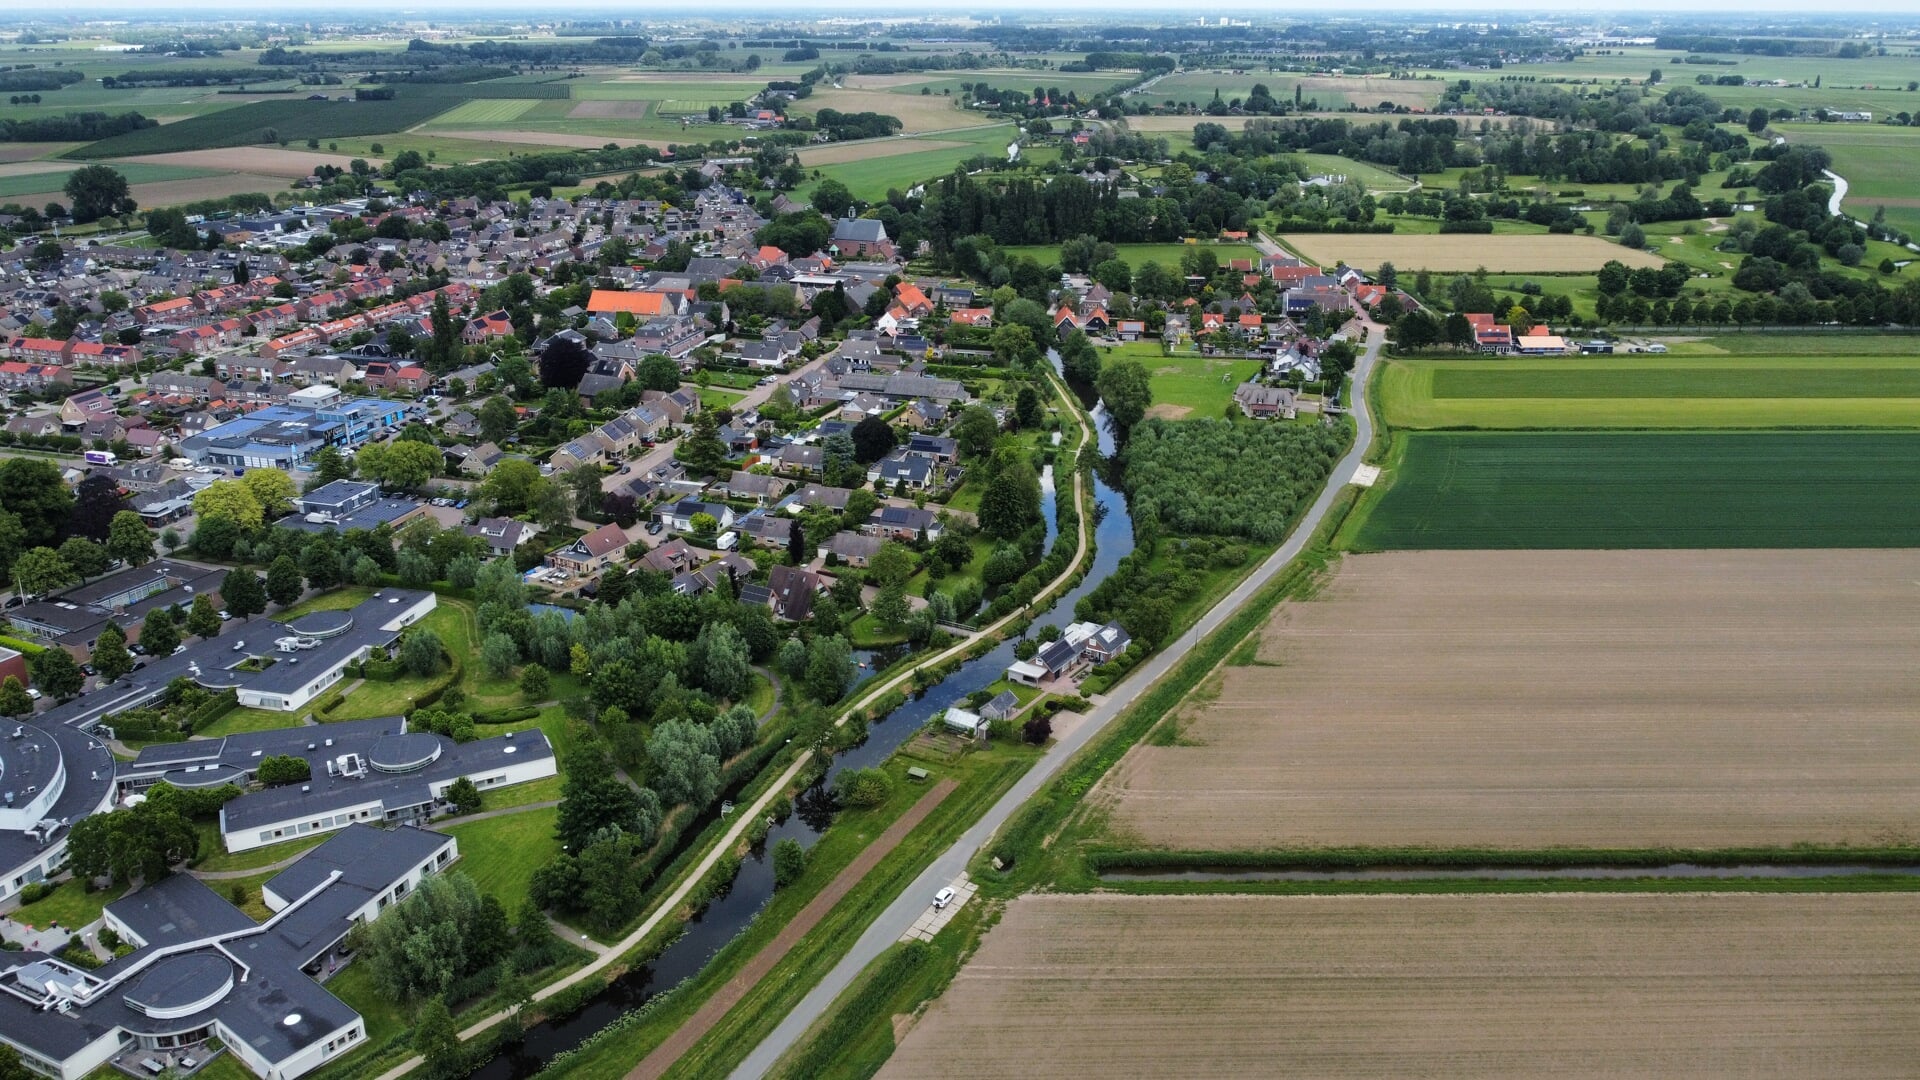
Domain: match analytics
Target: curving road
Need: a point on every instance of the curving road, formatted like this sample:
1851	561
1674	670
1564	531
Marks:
900	915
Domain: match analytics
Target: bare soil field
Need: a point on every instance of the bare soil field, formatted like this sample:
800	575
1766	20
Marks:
917	114
1459	253
1413	93
32	168
260	160
841	153
174	192
28	151
1530	699
1699	985
609	109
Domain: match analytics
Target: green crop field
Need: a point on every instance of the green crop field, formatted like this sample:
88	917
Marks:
1644	490
294	121
1878	164
52	181
485	111
1786	389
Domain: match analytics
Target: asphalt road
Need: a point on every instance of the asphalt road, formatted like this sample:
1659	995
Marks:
899	916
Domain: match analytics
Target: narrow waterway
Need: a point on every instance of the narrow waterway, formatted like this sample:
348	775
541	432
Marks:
731	912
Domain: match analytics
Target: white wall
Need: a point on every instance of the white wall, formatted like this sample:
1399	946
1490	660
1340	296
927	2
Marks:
369	811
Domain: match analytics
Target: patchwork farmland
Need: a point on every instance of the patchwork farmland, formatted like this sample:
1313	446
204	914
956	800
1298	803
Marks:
1529	700
1523	986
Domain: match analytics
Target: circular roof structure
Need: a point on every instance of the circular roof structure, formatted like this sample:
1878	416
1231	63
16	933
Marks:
322	623
404	753
181	985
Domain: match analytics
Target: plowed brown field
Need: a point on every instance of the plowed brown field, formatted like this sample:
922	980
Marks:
1462	252
1697	985
1529	699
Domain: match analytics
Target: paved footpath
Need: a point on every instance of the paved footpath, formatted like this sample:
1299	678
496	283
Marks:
710	1014
899	917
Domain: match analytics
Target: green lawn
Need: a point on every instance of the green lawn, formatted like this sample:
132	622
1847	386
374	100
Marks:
1645	490
70	905
354	985
500	854
1790	389
215	857
338	600
713	397
237	719
1187	385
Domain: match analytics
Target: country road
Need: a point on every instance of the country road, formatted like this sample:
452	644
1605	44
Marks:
900	915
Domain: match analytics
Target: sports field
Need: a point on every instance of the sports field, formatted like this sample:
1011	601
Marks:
1459	253
1644	490
1653	392
1705	985
1537	699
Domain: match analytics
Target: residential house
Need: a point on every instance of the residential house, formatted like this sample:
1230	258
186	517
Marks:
820	495
1106	643
913	471
1265	402
679	516
944	450
791	591
852	548
903	523
768	530
591	553
803	459
924	415
502	535
748	485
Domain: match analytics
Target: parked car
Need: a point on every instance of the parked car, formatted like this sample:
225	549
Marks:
225	615
654	527
942	898
33	692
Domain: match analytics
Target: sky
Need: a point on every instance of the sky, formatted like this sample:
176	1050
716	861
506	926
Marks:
1468	10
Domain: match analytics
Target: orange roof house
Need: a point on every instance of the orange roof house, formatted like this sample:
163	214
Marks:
639	304
910	297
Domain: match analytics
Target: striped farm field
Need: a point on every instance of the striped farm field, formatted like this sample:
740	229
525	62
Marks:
1654	392
1539	700
484	111
1462	252
1707	985
1810	489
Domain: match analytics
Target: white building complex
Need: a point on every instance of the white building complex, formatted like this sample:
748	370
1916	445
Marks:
203	970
